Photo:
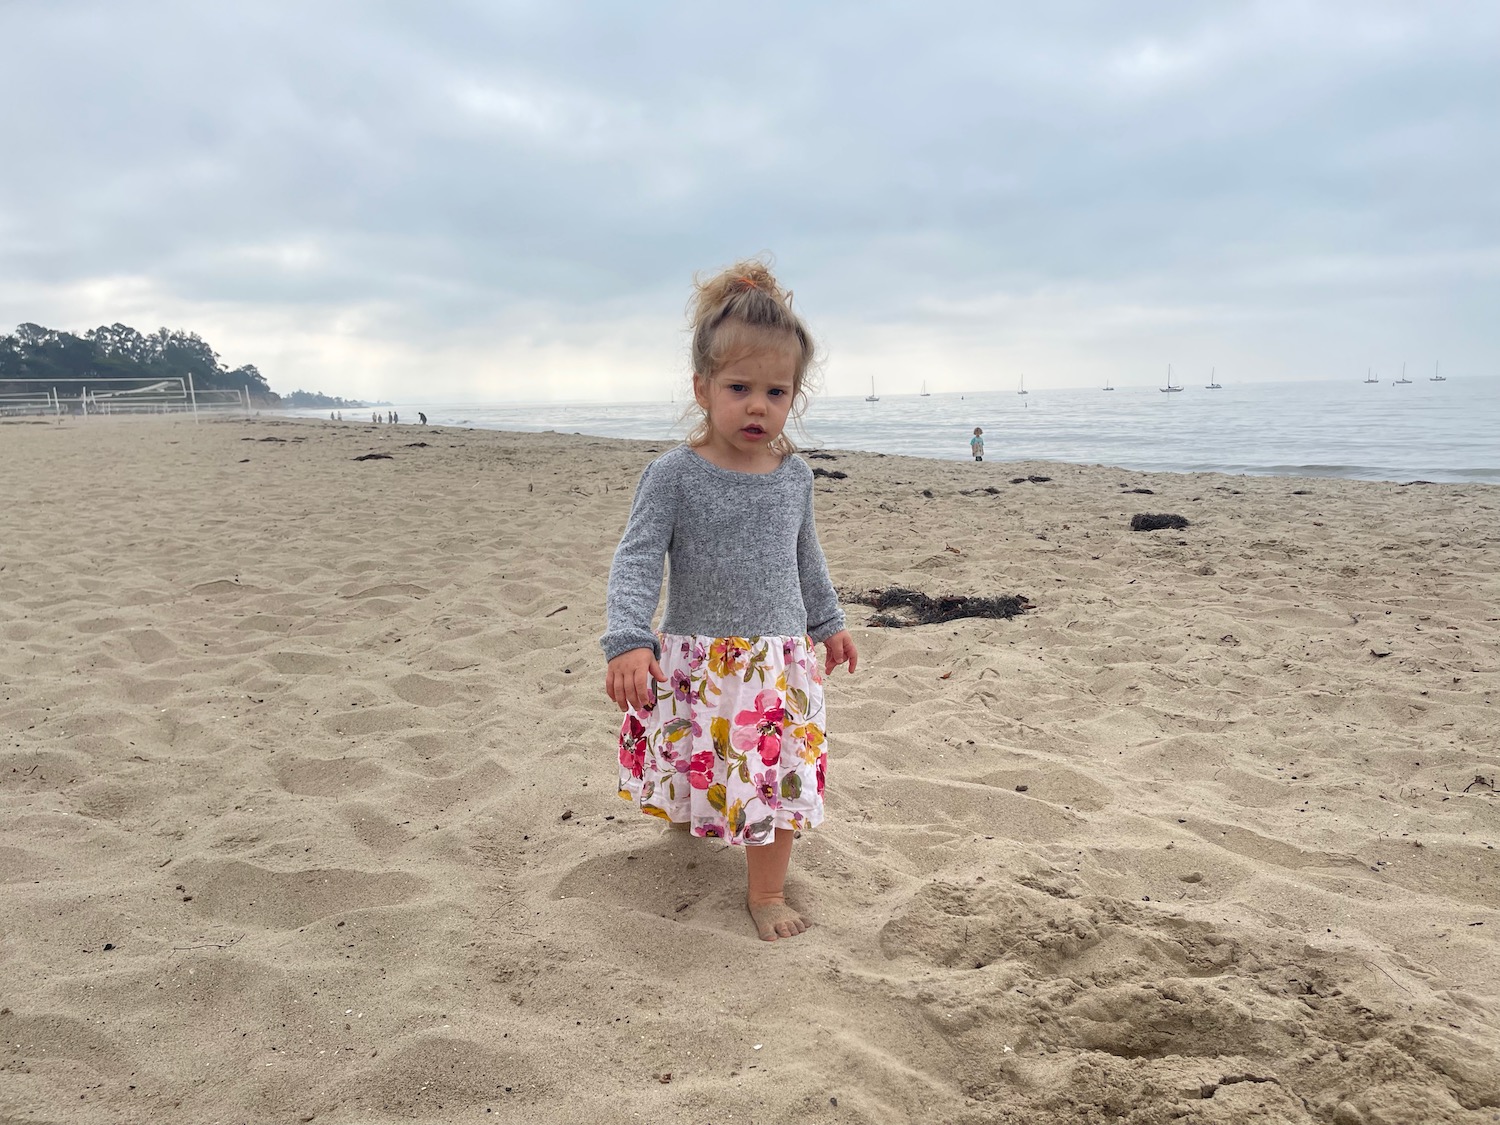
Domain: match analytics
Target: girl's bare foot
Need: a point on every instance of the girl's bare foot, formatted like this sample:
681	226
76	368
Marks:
775	919
766	865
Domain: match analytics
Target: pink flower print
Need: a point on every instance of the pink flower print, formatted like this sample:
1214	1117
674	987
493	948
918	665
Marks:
709	830
701	769
788	650
633	746
822	770
759	728
766	789
699	655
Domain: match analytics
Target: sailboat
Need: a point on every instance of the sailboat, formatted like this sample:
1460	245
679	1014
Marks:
1169	388
1403	378
1370	375
1108	385
1213	384
872	396
924	393
1023	389
1437	378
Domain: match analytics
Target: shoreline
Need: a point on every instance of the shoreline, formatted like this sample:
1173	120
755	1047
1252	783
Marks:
1280	472
292	737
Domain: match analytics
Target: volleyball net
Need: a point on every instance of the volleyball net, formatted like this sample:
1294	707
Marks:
107	395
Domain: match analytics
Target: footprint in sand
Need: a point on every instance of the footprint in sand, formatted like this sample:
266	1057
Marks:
329	777
224	586
424	691
386	591
669	876
150	646
247	894
303	663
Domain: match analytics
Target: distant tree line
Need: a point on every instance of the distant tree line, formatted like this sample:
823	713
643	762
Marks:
38	356
319	399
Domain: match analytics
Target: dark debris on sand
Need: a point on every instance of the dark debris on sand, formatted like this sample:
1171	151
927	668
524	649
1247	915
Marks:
831	474
821	457
912	607
374	457
1147	521
1031	480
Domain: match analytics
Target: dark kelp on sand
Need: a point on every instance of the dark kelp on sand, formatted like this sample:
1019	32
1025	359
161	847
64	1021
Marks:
1148	521
900	608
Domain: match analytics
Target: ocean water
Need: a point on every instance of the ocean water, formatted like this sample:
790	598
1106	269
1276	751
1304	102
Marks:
1448	431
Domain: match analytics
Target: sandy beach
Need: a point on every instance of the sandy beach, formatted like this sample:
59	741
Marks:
308	812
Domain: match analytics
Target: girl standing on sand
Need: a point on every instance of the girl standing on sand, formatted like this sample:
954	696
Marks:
723	733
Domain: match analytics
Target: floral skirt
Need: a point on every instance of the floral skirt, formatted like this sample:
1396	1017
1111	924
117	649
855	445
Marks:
733	747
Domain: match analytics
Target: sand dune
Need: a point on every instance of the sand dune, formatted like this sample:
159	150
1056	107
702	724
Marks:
309	808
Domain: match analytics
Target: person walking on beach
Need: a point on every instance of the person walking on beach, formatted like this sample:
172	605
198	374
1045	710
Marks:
976	444
724	728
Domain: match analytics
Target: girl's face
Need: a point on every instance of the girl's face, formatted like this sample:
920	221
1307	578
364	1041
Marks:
747	402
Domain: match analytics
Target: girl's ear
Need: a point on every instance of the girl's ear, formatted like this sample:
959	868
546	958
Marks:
700	391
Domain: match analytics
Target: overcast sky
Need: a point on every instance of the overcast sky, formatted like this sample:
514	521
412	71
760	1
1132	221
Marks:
507	200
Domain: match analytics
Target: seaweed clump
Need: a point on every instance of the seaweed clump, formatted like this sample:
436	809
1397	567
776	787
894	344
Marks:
1146	521
901	608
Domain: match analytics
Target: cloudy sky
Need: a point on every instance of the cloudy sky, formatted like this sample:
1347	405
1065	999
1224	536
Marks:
507	200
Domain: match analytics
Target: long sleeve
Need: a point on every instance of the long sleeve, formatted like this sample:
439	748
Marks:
824	617
635	576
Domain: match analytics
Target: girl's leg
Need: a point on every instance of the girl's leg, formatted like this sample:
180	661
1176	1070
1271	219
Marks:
767	865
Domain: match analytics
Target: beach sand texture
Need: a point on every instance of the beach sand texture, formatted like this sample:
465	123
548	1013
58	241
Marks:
308	812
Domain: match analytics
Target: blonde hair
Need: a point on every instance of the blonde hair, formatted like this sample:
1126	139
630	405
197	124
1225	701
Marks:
742	310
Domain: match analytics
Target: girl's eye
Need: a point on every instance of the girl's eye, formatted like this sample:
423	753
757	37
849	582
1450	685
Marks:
737	388
777	392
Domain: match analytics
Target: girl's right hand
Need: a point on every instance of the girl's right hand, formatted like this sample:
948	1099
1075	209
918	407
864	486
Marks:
628	679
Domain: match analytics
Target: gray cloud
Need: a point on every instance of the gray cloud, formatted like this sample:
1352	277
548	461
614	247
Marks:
508	200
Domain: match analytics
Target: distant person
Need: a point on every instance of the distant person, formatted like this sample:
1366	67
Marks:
723	728
331	418
421	417
976	444
341	416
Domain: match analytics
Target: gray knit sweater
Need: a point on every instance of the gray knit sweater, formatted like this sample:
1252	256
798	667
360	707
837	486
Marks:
745	560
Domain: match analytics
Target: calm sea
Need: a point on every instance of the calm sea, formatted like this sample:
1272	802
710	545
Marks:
1447	431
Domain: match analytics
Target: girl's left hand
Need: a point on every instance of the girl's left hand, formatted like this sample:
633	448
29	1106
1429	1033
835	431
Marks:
840	649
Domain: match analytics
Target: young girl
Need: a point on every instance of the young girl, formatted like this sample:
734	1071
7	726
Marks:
723	729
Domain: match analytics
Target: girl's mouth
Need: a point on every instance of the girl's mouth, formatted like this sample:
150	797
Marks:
753	432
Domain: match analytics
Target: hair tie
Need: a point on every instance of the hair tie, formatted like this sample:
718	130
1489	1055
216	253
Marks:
749	282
